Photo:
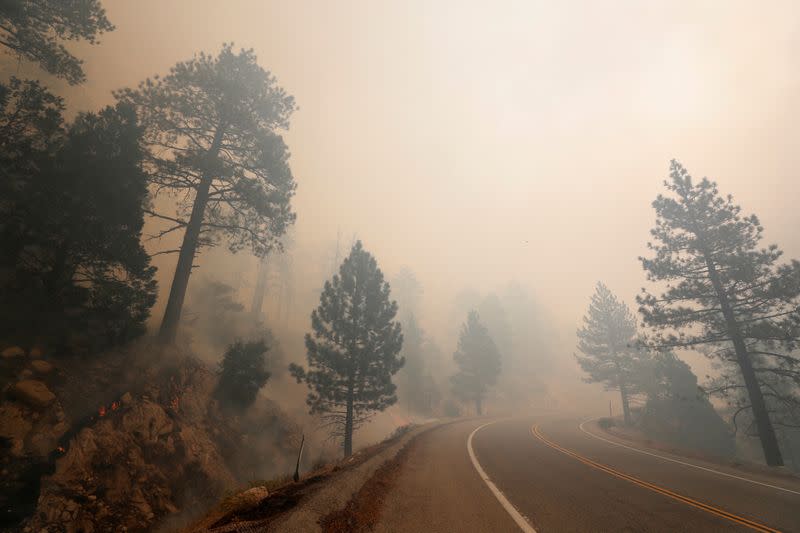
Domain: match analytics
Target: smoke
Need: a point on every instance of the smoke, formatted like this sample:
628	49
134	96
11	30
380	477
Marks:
531	153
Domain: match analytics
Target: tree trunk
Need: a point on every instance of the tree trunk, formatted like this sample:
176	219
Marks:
180	281
261	287
348	426
766	433
479	405
626	409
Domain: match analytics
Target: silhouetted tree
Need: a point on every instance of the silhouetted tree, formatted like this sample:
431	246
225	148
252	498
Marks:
478	362
210	125
353	351
407	289
34	30
71	202
723	291
418	389
242	373
607	342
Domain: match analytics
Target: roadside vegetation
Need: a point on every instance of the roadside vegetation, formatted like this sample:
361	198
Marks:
720	291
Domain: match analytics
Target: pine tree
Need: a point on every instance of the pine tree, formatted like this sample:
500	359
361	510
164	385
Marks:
35	30
413	375
72	202
723	292
210	125
607	342
353	350
478	362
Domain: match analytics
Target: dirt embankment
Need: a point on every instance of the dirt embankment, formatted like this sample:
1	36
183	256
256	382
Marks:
345	496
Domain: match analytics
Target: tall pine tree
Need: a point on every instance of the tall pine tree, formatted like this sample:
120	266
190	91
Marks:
211	126
723	291
607	342
353	350
478	362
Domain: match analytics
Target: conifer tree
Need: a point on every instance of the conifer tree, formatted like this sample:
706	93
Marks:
607	342
478	362
36	30
72	200
353	350
211	129
724	292
412	391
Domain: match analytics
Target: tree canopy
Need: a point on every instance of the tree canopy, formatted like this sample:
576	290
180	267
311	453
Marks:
353	350
608	345
723	292
36	29
210	127
478	361
72	205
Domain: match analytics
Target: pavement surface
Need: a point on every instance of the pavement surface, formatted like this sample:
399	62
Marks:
557	475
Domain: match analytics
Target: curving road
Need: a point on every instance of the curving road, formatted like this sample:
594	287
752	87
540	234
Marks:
550	473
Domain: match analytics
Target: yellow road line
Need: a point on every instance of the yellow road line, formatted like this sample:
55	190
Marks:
655	488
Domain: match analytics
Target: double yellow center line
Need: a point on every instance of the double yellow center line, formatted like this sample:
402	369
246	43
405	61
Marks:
655	488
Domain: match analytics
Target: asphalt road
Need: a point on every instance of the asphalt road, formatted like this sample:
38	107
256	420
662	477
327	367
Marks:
557	477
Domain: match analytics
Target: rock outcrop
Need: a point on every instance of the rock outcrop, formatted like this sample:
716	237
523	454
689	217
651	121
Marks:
123	443
33	392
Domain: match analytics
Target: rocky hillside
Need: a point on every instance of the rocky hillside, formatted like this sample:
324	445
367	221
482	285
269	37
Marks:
124	441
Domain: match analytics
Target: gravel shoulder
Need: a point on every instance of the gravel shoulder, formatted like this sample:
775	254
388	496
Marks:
304	506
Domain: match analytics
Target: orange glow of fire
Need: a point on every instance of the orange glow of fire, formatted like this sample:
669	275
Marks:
60	449
114	406
102	411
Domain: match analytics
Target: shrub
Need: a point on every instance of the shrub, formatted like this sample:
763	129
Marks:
242	373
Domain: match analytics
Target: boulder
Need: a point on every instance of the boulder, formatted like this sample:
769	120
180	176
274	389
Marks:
33	392
37	352
40	366
249	499
11	352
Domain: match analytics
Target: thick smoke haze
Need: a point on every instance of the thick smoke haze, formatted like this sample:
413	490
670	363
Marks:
312	263
480	144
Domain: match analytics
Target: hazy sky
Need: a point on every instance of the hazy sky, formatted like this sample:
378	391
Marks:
480	142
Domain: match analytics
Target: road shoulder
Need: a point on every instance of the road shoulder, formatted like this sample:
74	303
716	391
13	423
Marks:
779	477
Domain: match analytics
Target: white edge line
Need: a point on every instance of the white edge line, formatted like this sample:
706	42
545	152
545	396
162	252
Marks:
740	478
523	524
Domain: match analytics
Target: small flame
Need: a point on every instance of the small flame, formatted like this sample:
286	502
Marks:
114	406
102	411
61	449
